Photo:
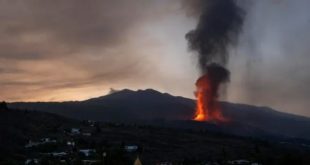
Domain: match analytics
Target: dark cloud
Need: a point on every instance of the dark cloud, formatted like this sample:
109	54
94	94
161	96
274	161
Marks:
55	44
32	29
220	23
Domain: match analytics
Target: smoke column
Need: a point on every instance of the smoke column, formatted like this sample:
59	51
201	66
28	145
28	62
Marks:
218	28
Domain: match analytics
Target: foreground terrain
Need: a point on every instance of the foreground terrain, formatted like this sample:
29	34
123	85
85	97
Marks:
29	137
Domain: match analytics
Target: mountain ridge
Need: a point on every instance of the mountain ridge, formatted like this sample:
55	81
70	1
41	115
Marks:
265	108
151	106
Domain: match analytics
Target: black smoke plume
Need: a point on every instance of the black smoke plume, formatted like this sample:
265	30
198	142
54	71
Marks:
219	24
217	74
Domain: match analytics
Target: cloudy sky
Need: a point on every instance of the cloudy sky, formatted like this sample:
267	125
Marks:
55	50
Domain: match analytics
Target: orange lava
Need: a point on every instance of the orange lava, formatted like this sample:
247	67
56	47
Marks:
207	106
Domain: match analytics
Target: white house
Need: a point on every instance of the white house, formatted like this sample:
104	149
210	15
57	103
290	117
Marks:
75	131
31	161
87	152
71	143
131	148
58	154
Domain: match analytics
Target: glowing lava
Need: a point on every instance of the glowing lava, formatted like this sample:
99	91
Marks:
207	106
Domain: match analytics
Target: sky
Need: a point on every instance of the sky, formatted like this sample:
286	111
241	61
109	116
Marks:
57	50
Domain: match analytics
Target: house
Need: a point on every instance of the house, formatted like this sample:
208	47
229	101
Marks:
48	140
31	161
75	131
131	148
58	154
91	123
71	143
87	152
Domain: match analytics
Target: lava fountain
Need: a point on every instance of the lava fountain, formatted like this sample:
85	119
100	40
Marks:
217	30
208	107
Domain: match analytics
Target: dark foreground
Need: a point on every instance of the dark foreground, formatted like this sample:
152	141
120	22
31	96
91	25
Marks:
36	137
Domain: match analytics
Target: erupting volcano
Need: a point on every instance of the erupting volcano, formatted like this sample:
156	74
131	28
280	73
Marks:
219	25
207	107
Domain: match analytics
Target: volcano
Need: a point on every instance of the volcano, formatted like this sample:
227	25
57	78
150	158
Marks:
208	107
153	107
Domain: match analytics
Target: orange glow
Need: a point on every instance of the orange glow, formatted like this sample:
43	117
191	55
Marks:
207	106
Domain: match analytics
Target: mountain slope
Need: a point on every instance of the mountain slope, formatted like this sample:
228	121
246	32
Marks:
154	107
125	105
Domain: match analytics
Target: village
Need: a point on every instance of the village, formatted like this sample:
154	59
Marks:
83	146
49	139
79	145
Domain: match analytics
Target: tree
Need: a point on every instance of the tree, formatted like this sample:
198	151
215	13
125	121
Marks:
3	106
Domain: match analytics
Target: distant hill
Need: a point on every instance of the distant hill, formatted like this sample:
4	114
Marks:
125	105
153	107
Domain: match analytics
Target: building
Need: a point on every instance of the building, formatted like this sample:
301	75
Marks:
87	152
75	131
131	148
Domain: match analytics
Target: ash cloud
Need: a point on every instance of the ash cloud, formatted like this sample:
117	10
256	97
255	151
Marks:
220	22
270	63
219	25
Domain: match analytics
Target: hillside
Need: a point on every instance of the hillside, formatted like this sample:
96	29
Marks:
153	107
18	127
155	144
